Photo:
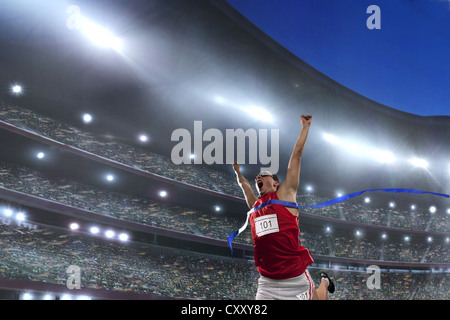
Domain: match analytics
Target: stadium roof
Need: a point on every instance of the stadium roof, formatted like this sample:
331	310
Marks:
183	61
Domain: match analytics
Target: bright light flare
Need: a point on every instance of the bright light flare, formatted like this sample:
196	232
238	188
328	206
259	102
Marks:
123	237
220	100
20	216
99	35
384	156
163	193
26	296
260	114
420	163
361	149
74	226
87	118
143	138
110	234
331	138
94	230
7	212
16	89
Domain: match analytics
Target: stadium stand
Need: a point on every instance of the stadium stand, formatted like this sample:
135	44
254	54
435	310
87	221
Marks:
43	253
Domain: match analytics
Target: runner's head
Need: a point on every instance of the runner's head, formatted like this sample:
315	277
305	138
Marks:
266	182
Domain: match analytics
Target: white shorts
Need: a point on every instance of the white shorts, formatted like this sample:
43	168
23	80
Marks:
298	288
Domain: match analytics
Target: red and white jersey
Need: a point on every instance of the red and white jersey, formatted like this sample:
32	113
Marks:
275	234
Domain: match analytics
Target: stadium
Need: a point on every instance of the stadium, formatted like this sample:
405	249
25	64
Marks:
99	201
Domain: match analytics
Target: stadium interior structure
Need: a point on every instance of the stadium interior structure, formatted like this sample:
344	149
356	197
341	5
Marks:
102	192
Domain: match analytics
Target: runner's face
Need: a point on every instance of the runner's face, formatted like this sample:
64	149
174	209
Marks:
264	184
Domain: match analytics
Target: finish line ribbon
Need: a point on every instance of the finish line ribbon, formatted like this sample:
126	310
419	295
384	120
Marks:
322	204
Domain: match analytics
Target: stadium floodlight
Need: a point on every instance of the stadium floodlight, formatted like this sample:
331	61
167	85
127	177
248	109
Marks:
391	204
220	100
413	207
217	208
361	149
7	212
330	138
367	200
74	226
260	114
433	209
407	238
99	35
110	177
40	155
123	237
356	148
94	230
163	193
384	236
110	234
26	296
429	239
420	163
143	138
87	118
309	188
358	233
16	89
384	156
448	211
20	216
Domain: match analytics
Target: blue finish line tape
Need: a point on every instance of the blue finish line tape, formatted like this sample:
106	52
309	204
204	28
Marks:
322	204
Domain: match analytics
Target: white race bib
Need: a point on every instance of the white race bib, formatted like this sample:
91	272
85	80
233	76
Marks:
266	224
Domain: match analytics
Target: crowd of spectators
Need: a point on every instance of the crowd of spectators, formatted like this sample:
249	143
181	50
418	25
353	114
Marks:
207	224
205	177
43	254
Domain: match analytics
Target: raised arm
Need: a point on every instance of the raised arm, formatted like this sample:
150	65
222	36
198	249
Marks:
288	190
249	195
